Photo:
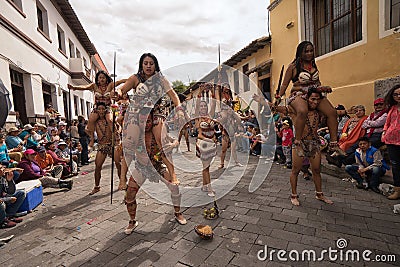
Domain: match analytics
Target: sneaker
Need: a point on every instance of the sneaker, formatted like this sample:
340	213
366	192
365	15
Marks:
131	226
8	224
289	165
376	190
360	186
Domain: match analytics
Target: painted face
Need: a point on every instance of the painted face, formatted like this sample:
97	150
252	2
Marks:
313	101
308	53
102	79
149	66
396	95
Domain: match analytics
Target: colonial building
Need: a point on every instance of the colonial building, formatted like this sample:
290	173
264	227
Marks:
43	48
357	44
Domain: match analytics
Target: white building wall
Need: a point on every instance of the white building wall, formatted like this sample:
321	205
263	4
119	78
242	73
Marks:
36	68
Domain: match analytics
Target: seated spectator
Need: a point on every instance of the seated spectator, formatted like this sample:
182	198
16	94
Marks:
343	117
5	158
28	135
10	199
63	151
369	164
33	171
51	125
45	161
51	150
352	130
18	121
54	137
15	144
373	125
255	147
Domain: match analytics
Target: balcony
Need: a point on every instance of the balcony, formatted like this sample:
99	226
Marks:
79	73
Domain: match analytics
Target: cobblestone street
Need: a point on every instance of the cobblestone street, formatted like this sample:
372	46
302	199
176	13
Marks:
74	229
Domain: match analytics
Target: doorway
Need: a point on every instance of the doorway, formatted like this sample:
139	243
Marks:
18	93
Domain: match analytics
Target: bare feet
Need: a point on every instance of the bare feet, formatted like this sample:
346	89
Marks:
221	166
295	200
320	196
175	181
95	190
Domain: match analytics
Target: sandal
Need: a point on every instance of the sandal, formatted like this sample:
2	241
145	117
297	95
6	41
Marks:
295	199
298	148
95	190
320	196
122	186
131	226
179	218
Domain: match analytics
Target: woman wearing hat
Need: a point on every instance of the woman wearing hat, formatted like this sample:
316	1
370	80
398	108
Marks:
373	125
15	144
27	134
33	171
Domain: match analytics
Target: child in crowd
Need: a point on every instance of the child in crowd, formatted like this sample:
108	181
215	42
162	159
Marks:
287	135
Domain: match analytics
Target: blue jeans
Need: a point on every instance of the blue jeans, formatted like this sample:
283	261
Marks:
10	209
373	175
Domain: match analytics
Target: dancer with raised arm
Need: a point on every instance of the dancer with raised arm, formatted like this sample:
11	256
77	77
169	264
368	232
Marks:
304	74
150	86
102	88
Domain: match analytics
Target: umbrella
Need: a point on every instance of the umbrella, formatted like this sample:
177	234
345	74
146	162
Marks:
5	103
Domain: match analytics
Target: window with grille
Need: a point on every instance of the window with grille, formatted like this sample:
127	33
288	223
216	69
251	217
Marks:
332	24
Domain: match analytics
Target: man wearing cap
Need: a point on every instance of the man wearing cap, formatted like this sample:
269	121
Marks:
33	171
46	162
373	125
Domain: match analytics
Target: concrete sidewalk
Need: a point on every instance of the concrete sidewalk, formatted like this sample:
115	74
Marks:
71	228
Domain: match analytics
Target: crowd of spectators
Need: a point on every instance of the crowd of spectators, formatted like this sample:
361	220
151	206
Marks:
51	153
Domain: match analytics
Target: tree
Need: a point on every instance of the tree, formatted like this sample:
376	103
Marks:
179	86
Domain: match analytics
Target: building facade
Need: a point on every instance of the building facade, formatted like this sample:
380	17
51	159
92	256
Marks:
44	47
357	44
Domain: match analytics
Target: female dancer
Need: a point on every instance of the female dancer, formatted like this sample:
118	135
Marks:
104	134
102	88
205	144
230	121
391	136
304	74
149	165
150	86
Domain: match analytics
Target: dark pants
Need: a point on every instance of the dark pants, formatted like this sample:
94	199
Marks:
85	150
10	209
394	155
373	175
375	140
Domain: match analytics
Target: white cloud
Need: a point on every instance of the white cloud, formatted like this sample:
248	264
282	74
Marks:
176	31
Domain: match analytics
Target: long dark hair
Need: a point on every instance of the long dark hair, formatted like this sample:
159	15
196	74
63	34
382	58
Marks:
299	50
389	100
157	67
108	78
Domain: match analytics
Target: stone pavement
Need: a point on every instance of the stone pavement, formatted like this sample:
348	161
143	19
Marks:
74	229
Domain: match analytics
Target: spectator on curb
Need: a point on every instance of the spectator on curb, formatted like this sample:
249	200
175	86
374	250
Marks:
373	125
33	171
28	135
10	199
369	165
